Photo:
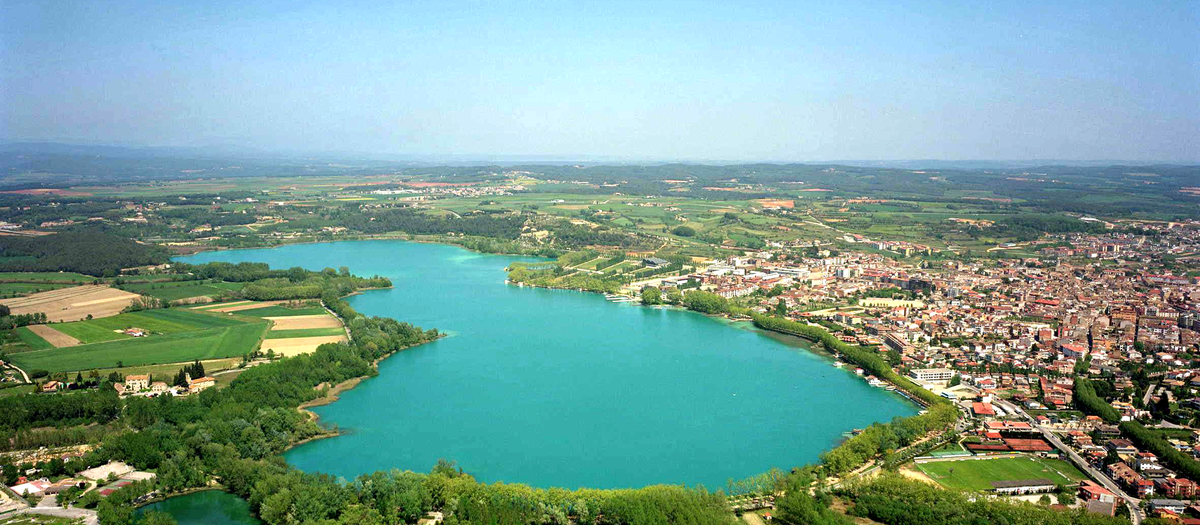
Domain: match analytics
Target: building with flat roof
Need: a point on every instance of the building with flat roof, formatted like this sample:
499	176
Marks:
932	374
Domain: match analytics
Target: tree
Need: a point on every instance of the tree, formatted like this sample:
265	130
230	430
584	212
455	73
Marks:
781	308
684	231
651	295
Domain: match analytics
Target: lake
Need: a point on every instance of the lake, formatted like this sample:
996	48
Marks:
205	508
563	388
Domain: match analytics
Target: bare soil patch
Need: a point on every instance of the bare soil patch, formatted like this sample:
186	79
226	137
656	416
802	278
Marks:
298	345
73	304
52	336
248	306
300	322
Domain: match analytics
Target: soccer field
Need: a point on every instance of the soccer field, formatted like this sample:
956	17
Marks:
978	474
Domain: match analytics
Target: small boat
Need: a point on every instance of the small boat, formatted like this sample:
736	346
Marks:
838	364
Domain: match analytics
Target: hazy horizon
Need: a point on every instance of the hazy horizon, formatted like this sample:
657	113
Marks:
664	82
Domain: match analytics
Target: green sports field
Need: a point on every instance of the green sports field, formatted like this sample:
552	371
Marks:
977	475
212	343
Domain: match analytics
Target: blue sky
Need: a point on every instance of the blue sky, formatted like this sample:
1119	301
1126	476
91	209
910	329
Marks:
636	80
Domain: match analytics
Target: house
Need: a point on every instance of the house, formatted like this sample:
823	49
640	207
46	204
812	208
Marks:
158	387
1122	447
64	484
52	386
1172	505
1091	491
135	332
201	383
654	262
1176	487
137	383
982	409
932	374
31	487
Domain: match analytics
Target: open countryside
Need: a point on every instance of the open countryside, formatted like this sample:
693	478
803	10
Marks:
598	263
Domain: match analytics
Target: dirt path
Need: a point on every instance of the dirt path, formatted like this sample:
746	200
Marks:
917	475
52	336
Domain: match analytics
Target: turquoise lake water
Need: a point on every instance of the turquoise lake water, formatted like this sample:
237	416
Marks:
209	507
562	388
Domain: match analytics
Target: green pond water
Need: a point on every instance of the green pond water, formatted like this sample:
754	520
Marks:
209	507
562	388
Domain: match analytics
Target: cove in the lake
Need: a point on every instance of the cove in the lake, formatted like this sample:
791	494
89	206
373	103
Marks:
562	388
205	508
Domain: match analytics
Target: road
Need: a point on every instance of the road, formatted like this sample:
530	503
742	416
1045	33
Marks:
1135	512
89	516
1146	398
23	374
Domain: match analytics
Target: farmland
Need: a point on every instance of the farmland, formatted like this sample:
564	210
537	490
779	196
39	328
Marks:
977	475
19	289
178	291
45	277
178	347
281	311
73	304
165	321
306	332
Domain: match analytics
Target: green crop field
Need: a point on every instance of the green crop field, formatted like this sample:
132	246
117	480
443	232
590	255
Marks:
165	321
174	291
32	340
15	289
45	277
229	341
305	332
977	475
280	311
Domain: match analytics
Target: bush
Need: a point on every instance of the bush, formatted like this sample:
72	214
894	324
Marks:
684	231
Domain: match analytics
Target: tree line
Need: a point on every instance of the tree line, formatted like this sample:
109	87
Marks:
90	251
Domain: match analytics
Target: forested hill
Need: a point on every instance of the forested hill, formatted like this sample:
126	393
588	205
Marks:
87	251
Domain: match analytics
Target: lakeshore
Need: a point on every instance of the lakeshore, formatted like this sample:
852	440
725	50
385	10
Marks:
639	408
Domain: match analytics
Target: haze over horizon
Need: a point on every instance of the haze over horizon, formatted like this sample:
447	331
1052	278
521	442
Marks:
763	81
